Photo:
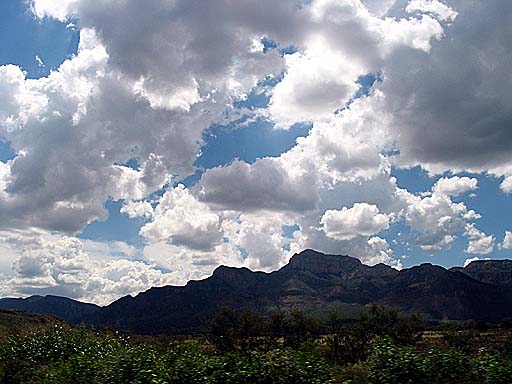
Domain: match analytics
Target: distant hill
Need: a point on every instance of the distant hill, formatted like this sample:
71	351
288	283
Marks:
19	322
312	281
69	310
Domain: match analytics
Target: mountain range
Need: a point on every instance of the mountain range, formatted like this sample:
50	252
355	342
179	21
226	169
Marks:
313	281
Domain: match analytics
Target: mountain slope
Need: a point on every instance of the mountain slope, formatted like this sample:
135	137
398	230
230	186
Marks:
497	272
69	310
445	294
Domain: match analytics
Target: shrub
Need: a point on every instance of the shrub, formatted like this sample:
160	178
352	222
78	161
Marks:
80	357
491	368
451	366
391	364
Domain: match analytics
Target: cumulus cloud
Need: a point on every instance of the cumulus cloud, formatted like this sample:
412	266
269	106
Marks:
436	216
184	264
46	263
317	83
135	209
448	116
322	77
74	112
479	242
455	186
109	104
360	220
262	185
343	150
180	219
337	164
382	253
507	241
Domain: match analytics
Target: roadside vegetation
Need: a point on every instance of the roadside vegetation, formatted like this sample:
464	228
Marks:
286	347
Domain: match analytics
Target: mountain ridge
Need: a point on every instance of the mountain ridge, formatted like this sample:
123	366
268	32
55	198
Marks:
314	282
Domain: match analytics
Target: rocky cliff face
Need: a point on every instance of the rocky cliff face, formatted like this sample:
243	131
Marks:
239	278
318	263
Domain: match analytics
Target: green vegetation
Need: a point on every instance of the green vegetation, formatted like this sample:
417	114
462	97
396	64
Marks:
384	346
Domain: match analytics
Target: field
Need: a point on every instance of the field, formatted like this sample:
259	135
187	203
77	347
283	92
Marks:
244	347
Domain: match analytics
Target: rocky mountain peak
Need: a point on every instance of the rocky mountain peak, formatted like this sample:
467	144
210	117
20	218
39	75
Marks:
317	263
237	277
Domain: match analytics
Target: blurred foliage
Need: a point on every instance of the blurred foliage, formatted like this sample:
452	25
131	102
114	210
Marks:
80	356
282	347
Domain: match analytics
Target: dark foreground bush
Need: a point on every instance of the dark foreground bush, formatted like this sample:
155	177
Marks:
77	357
393	364
82	357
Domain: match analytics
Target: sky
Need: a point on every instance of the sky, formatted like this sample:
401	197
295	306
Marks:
146	143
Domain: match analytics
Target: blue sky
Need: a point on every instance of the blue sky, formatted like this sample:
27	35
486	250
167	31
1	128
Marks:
23	38
139	148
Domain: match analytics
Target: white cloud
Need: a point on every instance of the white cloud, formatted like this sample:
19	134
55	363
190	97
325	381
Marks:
180	219
119	278
506	184
261	236
360	220
468	261
436	216
317	83
110	104
104	250
40	62
46	263
137	209
507	240
6	260
186	264
266	184
439	9
346	147
59	9
382	253
455	186
346	42
479	242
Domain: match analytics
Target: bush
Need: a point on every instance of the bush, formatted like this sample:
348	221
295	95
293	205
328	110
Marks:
391	364
346	346
79	357
245	330
380	320
491	368
451	366
63	356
